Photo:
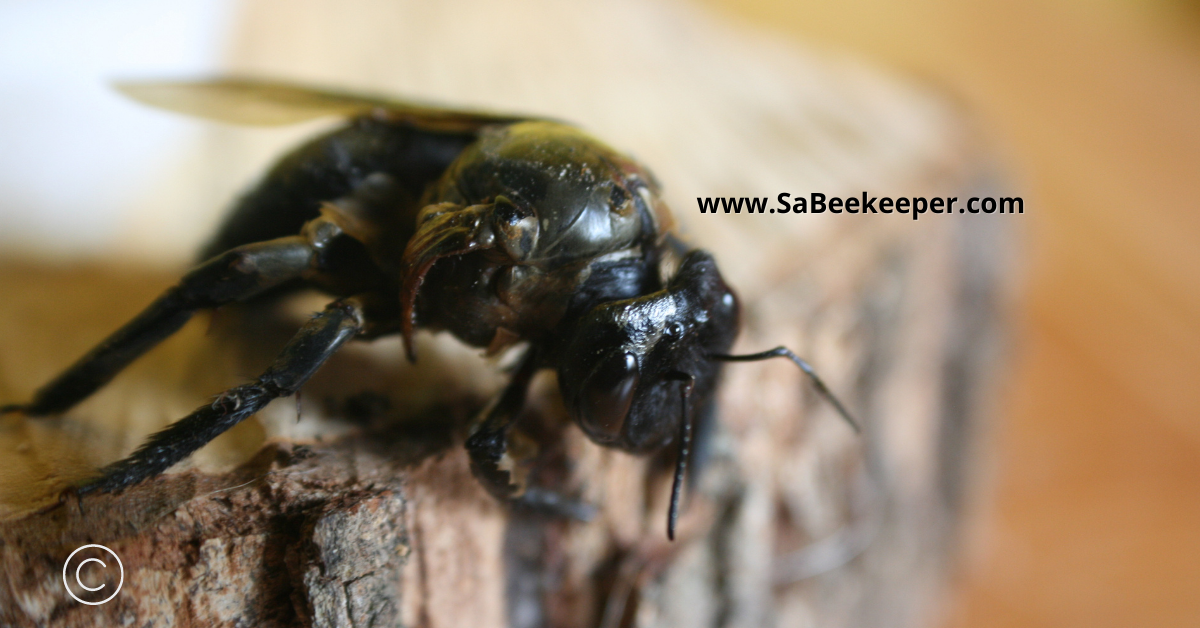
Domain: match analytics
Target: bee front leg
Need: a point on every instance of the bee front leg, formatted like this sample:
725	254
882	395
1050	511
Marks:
495	461
500	455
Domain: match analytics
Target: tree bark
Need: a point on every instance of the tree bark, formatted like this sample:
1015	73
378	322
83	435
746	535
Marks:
360	509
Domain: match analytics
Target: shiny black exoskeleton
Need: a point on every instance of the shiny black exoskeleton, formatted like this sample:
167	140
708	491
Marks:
497	229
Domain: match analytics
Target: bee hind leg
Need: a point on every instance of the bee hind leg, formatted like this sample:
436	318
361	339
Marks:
319	339
235	275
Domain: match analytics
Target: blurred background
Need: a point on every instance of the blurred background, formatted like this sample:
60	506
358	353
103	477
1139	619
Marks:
1093	517
1089	515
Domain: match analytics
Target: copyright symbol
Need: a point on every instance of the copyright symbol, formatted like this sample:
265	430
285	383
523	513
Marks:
92	575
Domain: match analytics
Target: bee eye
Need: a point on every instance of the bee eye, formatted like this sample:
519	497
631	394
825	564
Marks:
608	395
674	331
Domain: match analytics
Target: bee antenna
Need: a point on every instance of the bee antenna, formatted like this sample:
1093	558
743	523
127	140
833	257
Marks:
784	352
685	446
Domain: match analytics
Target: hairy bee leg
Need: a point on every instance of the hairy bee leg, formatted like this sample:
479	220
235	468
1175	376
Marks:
488	443
443	230
237	274
319	339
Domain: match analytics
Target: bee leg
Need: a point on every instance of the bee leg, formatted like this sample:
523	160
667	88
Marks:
494	461
500	455
319	339
235	275
444	230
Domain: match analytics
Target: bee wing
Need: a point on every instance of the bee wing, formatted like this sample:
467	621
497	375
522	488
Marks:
270	103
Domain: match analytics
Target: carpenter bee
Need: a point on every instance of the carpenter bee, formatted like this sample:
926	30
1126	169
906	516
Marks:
498	229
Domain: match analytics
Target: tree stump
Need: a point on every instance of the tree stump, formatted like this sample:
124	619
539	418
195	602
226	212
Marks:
356	507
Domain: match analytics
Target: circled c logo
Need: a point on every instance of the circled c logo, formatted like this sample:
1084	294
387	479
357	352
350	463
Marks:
87	564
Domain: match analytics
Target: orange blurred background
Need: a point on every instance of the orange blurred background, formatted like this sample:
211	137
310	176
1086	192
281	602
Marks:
1092	513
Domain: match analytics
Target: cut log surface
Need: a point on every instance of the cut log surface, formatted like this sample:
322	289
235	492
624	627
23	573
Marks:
355	505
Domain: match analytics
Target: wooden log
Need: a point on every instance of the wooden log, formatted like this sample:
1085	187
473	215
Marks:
357	507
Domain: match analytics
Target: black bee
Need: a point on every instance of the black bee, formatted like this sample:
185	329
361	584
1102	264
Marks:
498	229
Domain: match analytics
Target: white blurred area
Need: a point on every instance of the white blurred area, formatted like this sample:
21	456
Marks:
76	158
